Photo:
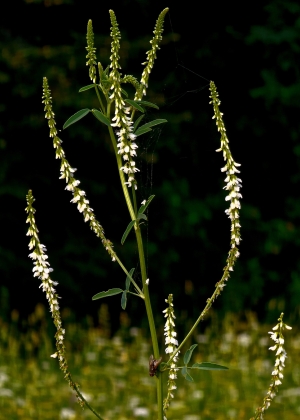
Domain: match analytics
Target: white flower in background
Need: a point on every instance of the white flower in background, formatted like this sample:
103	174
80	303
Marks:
277	374
171	345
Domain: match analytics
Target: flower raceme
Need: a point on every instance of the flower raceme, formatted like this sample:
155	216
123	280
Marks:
171	345
277	374
233	186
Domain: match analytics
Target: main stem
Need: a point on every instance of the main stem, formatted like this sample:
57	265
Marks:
150	320
144	274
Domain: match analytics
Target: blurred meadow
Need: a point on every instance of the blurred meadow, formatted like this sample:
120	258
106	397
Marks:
113	371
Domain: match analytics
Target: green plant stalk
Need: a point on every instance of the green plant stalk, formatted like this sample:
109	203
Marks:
201	317
150	320
142	266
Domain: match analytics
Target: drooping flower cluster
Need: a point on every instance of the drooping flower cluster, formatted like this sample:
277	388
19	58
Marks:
67	173
91	55
151	54
42	270
126	145
171	345
277	375
233	186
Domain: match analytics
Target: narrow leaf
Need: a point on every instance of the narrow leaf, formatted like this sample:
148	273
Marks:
101	117
152	123
86	88
141	131
136	124
186	375
144	206
76	117
146	103
110	292
188	354
208	366
127	282
134	104
141	216
128	229
124	300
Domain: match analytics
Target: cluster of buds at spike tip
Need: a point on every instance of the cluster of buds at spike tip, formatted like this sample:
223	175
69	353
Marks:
67	173
171	345
122	121
91	55
233	186
151	54
42	270
277	375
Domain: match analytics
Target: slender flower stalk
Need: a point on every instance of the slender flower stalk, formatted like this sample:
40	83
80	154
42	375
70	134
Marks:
151	54
171	345
42	270
91	55
277	375
233	186
67	173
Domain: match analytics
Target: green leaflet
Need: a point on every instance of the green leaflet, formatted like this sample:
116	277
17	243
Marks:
146	103
76	117
186	375
127	282
146	127
124	300
137	122
141	131
208	366
86	88
101	117
110	292
134	104
188	354
141	216
143	208
128	229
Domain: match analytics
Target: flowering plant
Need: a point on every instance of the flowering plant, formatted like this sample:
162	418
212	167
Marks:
118	113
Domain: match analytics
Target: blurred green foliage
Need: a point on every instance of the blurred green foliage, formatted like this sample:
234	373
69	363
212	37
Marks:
252	58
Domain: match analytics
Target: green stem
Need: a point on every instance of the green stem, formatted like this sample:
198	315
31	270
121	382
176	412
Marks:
140	293
132	213
200	318
99	98
150	319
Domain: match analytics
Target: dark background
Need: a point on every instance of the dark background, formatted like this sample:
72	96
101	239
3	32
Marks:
253	55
